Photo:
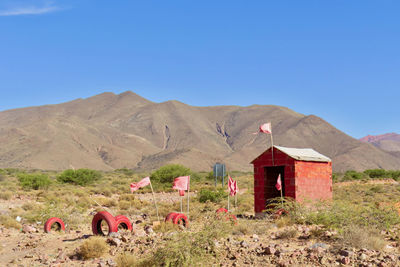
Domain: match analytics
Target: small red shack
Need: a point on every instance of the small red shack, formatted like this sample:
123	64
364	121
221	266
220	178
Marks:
305	174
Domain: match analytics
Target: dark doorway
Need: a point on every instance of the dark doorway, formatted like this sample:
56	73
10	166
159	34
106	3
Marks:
270	178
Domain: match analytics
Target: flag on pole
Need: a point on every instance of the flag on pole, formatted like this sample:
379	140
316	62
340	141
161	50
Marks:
235	186
232	185
181	183
142	183
265	128
278	185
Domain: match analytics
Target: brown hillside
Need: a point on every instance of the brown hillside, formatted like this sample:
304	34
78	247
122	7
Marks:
111	131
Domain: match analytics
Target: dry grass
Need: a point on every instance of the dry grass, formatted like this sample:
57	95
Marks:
127	260
6	195
165	227
288	234
9	222
360	237
94	247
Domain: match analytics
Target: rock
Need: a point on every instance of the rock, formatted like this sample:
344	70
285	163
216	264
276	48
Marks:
145	216
18	219
28	229
138	222
123	239
114	241
363	257
101	264
114	234
148	229
270	250
111	263
243	244
345	260
346	253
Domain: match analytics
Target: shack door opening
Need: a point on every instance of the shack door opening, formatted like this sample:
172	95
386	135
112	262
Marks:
270	178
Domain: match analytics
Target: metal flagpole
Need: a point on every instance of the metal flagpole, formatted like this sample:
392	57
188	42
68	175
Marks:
188	203
181	204
228	201
235	200
154	200
272	146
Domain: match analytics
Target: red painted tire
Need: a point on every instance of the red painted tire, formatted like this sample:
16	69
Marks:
124	222
170	216
54	220
232	218
222	210
108	218
181	219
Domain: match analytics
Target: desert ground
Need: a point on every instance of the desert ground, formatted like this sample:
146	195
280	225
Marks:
360	227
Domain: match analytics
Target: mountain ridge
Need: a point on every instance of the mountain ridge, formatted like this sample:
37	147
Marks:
110	131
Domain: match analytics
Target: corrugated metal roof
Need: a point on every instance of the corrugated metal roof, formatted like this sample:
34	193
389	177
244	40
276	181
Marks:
306	154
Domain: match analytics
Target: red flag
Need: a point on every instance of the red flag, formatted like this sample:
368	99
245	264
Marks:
266	128
278	185
181	183
232	185
181	193
235	186
142	183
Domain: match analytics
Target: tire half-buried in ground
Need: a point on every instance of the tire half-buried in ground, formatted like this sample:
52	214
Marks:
123	223
97	223
54	221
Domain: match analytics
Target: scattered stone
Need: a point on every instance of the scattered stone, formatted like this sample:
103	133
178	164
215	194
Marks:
346	253
363	257
28	229
243	244
114	242
114	234
345	260
148	229
270	250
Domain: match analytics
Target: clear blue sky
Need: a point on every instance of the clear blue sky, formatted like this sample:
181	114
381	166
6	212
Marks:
339	60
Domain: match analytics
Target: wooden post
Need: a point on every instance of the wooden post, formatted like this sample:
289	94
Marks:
228	201
236	200
154	201
188	199
181	204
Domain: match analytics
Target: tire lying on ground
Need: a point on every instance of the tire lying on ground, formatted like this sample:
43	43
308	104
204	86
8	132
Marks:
180	219
170	216
108	218
123	222
222	210
54	220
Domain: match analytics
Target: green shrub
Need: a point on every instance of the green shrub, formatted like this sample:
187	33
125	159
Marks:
34	181
79	177
168	173
394	174
212	195
353	175
376	173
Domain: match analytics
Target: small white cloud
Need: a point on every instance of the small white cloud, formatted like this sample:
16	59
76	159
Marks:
29	10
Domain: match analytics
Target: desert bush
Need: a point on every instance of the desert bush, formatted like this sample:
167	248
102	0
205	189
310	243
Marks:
394	174
9	222
94	247
353	175
288	234
212	195
79	177
125	171
167	173
124	205
363	237
34	181
165	227
191	248
376	173
6	195
127	260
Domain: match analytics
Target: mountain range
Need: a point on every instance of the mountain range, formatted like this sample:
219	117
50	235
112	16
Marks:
110	131
389	142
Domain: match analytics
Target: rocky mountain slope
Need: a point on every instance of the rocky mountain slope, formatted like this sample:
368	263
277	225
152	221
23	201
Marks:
109	131
389	142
